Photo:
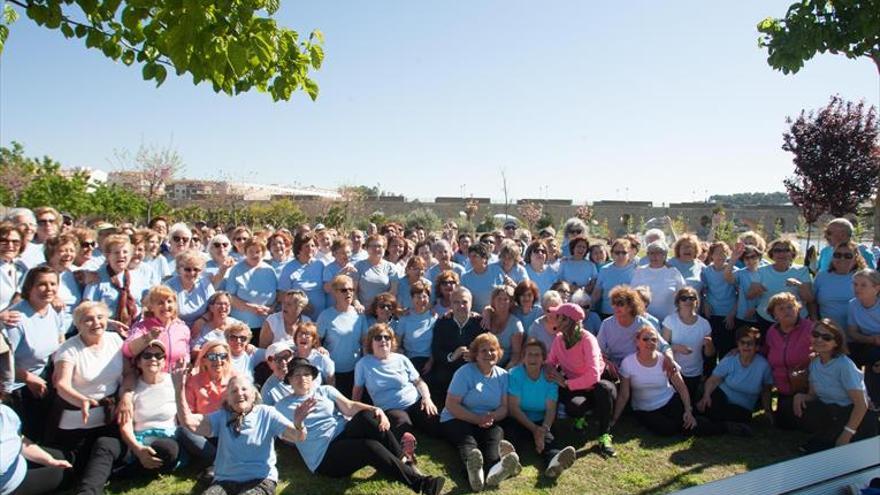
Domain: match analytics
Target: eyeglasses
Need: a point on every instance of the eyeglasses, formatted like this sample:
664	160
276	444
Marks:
238	338
746	343
345	290
540	251
827	337
382	338
88	244
216	356
191	269
219	245
648	339
45	221
14	242
619	253
618	302
846	256
386	307
178	238
241	239
563	291
147	356
688	298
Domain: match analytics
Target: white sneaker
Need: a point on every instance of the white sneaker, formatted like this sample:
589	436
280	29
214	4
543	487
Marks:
563	460
474	465
504	448
507	467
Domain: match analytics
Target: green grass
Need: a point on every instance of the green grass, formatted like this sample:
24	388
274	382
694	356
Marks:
646	464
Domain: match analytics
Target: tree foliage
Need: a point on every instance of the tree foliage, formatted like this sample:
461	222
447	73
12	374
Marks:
836	158
847	27
235	45
153	167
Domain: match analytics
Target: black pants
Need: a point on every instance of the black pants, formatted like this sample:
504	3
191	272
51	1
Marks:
252	487
362	444
723	410
783	416
438	381
762	325
522	438
668	421
419	363
723	339
42	479
344	382
693	385
34	412
465	437
411	419
94	451
826	422
600	399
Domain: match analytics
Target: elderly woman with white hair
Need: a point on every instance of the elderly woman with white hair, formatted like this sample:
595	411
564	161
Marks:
179	238
837	232
26	223
651	235
192	288
663	280
220	260
574	227
442	252
544	328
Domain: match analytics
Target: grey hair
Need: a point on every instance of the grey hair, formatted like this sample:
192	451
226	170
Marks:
14	213
551	298
178	227
661	245
659	234
574	222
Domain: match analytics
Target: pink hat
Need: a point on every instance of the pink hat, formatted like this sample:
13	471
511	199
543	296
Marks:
570	310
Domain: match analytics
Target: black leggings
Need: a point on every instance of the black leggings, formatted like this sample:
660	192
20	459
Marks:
723	340
723	410
344	382
521	437
465	437
826	422
783	416
668	421
600	399
93	453
693	385
362	444
412	418
42	479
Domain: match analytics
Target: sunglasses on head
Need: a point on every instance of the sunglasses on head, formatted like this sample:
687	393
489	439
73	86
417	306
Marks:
827	337
216	356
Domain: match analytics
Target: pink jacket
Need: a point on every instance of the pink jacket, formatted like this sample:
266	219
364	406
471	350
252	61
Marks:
788	352
582	364
175	337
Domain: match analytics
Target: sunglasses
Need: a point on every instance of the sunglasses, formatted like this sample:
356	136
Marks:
238	338
447	282
619	253
618	302
345	290
178	238
45	221
509	227
241	239
147	356
216	356
540	251
827	337
687	298
219	245
191	269
88	244
648	339
846	256
386	307
381	338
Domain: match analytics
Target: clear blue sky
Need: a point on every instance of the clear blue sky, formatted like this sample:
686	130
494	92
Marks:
644	100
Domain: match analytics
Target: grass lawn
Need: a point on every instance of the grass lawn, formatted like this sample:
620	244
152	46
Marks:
646	464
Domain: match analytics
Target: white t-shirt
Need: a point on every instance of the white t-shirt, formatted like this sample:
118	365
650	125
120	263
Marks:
97	373
649	387
154	405
664	282
691	336
276	324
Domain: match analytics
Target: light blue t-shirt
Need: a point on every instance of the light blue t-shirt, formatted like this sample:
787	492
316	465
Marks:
309	278
528	318
691	272
866	319
256	285
12	276
211	269
720	294
517	273
832	380
744	280
618	342
513	327
249	455
482	284
341	334
13	465
191	305
431	273
71	294
743	384
160	267
577	272
275	389
774	282
390	382
479	394
417	331
104	290
610	276
833	292
543	279
532	394
324	423
462	259
404	299
34	338
374	280
245	363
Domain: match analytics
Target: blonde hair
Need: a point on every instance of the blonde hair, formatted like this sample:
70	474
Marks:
84	307
157	294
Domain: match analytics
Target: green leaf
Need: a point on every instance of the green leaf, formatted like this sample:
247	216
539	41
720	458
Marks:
237	56
311	88
94	39
316	54
81	31
67	31
161	73
128	57
149	71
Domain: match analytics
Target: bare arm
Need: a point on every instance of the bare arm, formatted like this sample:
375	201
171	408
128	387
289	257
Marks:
266	335
458	411
196	423
35	453
622	398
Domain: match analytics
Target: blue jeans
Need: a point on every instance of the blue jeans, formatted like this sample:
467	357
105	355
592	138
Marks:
201	449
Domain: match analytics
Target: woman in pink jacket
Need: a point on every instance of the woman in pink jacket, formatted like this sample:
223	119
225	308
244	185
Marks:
577	366
787	348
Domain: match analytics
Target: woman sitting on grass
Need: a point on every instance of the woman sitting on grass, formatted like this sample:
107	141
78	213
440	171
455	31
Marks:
835	409
245	433
338	447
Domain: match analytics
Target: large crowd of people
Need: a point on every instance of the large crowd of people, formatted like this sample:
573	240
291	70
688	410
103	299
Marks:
129	350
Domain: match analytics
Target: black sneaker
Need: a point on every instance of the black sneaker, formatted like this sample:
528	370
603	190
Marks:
739	429
432	485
